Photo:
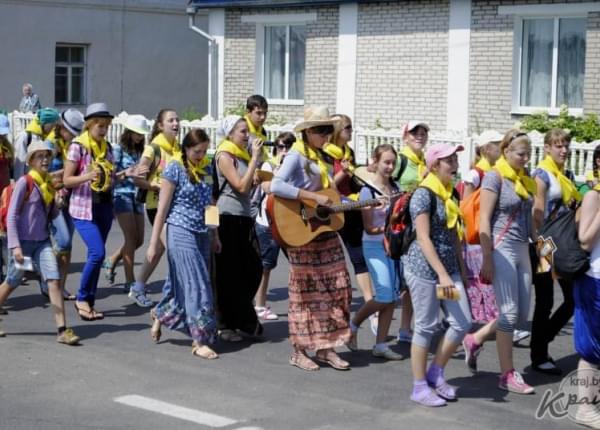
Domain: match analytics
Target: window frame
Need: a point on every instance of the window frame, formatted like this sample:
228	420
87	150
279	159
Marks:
70	66
553	109
262	23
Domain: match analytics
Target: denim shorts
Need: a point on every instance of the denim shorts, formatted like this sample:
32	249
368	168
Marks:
44	262
126	203
61	230
356	258
383	272
269	248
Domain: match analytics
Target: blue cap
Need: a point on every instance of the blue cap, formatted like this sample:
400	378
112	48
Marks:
47	115
4	124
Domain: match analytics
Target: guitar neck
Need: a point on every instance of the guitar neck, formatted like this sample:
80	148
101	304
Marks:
353	205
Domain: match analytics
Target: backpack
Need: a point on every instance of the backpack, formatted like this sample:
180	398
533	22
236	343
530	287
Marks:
398	232
403	164
5	199
142	193
558	236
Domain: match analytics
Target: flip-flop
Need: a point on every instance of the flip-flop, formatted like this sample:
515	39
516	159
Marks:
207	355
303	362
155	333
84	314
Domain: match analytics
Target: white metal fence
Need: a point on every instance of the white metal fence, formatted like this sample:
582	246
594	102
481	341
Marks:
364	140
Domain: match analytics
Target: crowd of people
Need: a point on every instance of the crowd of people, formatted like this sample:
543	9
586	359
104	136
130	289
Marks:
67	177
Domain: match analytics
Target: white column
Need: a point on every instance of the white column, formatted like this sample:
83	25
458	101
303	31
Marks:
459	34
346	75
216	28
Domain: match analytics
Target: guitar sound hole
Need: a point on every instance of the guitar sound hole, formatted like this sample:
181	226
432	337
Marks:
322	212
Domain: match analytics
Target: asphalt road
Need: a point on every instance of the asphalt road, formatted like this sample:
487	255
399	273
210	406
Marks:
119	379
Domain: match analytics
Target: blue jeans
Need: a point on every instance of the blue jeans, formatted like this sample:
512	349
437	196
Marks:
61	229
94	234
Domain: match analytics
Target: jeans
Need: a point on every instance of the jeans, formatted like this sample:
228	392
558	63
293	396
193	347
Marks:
94	233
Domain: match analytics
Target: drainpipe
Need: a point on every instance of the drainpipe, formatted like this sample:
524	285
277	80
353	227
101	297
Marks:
212	60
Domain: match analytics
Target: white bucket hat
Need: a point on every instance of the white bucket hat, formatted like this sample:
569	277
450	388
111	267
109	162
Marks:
489	136
38	144
227	124
138	124
313	117
72	120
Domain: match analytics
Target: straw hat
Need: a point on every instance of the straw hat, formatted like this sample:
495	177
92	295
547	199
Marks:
38	144
137	123
313	117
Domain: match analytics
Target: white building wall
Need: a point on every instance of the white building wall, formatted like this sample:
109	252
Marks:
141	55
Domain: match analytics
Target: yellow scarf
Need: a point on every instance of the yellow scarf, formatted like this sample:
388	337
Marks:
62	147
228	146
34	127
305	150
44	183
453	214
568	189
260	133
597	187
170	148
344	153
484	164
525	186
419	161
197	172
98	153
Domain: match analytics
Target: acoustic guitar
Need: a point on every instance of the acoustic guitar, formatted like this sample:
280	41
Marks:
297	222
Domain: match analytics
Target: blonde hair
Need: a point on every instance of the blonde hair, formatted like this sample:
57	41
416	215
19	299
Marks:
339	125
95	121
514	137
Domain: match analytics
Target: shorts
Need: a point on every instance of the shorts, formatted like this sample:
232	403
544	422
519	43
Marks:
61	231
383	270
126	203
44	262
269	248
357	258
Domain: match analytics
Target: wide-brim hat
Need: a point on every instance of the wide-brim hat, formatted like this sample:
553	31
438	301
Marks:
489	136
38	144
72	120
137	123
97	110
440	150
314	117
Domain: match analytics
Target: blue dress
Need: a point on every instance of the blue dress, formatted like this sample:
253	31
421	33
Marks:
187	302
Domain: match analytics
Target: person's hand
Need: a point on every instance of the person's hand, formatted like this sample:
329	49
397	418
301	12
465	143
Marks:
92	173
18	255
141	170
57	179
133	172
323	200
255	179
487	270
445	281
257	145
445	292
59	200
216	244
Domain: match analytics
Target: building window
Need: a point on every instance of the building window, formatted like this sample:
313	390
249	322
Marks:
551	57
284	60
69	75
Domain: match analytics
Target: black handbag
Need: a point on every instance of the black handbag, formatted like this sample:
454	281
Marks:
559	236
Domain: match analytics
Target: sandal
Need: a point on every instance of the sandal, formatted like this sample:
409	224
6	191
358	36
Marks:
203	351
155	332
97	315
84	314
332	359
302	361
109	271
68	296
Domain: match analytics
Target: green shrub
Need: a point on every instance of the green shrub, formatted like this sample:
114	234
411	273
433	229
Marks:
190	113
582	129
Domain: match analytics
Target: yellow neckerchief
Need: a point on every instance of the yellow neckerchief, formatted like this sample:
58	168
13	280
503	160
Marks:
98	154
596	188
568	189
253	130
228	146
197	172
62	147
418	160
44	183
97	151
344	153
525	186
453	214
484	164
170	148
305	150
34	127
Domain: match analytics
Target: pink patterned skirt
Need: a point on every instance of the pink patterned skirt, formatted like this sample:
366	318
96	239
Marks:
481	295
319	294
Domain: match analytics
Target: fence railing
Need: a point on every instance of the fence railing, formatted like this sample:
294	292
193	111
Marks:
364	140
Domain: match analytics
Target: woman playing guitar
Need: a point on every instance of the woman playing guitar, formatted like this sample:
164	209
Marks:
319	284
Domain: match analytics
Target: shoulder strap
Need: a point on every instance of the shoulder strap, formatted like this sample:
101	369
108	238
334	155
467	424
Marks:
29	137
403	164
29	184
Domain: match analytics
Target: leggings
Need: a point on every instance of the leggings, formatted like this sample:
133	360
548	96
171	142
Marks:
94	233
426	307
512	283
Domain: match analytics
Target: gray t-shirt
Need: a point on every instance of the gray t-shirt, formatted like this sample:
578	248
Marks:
443	239
230	201
510	209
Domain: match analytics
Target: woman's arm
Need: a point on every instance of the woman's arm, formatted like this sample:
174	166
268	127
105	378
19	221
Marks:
144	172
422	224
487	203
589	223
241	184
71	180
167	189
539	203
469	189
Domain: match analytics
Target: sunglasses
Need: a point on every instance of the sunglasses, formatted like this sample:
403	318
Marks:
348	127
283	146
322	129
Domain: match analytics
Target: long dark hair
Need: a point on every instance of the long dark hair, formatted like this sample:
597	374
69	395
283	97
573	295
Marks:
128	145
159	120
286	138
194	137
595	162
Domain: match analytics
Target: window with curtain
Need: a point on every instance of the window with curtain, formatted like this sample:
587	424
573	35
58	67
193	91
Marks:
552	62
285	55
69	74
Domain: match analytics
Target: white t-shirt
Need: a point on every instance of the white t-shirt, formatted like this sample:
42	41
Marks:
261	217
472	177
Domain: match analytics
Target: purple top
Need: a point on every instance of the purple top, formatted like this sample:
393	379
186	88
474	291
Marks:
27	219
292	176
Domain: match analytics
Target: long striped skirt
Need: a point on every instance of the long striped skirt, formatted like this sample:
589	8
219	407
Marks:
319	294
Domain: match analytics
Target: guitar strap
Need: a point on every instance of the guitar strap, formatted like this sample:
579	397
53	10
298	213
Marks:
374	190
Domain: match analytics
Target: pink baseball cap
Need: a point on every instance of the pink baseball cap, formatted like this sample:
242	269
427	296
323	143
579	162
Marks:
440	150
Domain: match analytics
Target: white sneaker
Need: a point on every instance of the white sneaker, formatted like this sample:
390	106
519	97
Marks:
519	335
265	313
140	298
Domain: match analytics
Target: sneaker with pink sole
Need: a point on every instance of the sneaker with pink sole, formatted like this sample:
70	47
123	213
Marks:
265	313
513	381
472	350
